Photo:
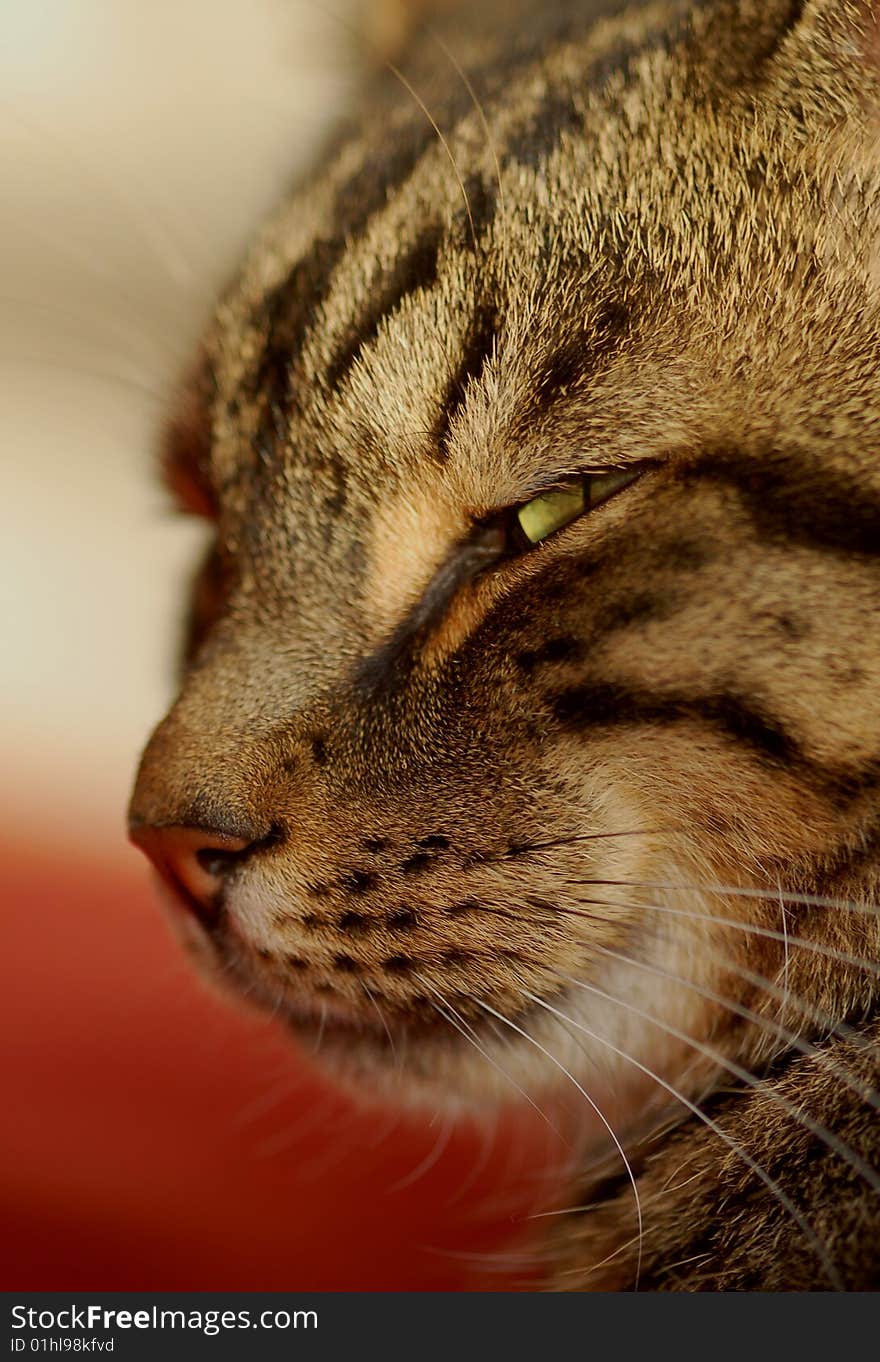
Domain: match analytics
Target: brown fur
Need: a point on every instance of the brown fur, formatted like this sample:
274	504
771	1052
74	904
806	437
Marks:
474	785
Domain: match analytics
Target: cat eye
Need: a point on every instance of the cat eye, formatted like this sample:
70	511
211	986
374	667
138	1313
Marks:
537	519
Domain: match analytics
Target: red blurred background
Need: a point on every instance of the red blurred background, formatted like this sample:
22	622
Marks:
155	1138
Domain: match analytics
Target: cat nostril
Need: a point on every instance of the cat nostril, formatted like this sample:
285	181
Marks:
216	861
196	861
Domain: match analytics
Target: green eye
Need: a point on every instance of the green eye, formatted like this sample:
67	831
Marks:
543	515
552	511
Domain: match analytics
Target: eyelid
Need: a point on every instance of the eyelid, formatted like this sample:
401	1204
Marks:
516	539
560	480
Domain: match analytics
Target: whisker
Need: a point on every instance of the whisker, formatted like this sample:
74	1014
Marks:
165	249
486	1150
395	71
788	896
809	1010
821	1132
431	1158
85	320
290	1136
619	1147
387	1130
316	1048
460	1026
481	113
773	1187
771	933
585	1207
261	1106
105	376
444	142
95	269
791	1038
786	998
382	1018
603	1262
532	847
786	954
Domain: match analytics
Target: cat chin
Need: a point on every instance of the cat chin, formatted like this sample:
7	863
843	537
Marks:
434	1067
447	1079
413	1062
422	1065
553	1055
438	1072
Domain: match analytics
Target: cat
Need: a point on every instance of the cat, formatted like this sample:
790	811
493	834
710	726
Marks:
530	712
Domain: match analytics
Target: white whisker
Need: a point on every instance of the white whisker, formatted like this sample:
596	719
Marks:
382	1018
481	113
444	1008
770	933
19	360
316	1048
784	1201
786	957
430	1159
839	1147
618	1146
791	1038
166	250
788	896
444	142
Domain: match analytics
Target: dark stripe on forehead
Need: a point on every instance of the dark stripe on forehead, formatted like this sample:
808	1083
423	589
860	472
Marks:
388	161
577	356
477	349
481	196
285	315
288	310
793	499
415	269
396	143
534	141
563	110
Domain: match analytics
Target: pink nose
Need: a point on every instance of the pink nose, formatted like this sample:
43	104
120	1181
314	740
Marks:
194	860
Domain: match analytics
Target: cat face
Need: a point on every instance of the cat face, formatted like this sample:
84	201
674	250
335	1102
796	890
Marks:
541	617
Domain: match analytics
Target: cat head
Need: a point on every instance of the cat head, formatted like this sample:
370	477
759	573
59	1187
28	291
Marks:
536	657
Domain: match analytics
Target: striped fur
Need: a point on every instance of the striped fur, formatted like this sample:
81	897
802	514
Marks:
483	786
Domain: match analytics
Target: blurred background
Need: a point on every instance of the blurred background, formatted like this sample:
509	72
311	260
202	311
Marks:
152	1137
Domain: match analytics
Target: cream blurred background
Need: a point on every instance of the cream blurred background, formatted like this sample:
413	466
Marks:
140	143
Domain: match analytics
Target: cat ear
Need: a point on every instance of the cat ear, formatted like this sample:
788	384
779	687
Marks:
827	68
186	445
824	90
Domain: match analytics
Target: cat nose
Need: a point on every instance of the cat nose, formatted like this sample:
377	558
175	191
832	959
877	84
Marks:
197	861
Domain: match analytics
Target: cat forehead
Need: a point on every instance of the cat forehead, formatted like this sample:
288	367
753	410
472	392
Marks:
476	302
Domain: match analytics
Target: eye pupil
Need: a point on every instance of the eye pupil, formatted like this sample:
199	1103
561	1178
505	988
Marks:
537	519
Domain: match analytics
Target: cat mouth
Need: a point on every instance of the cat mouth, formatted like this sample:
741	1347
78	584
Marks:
334	1022
323	1016
406	1034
